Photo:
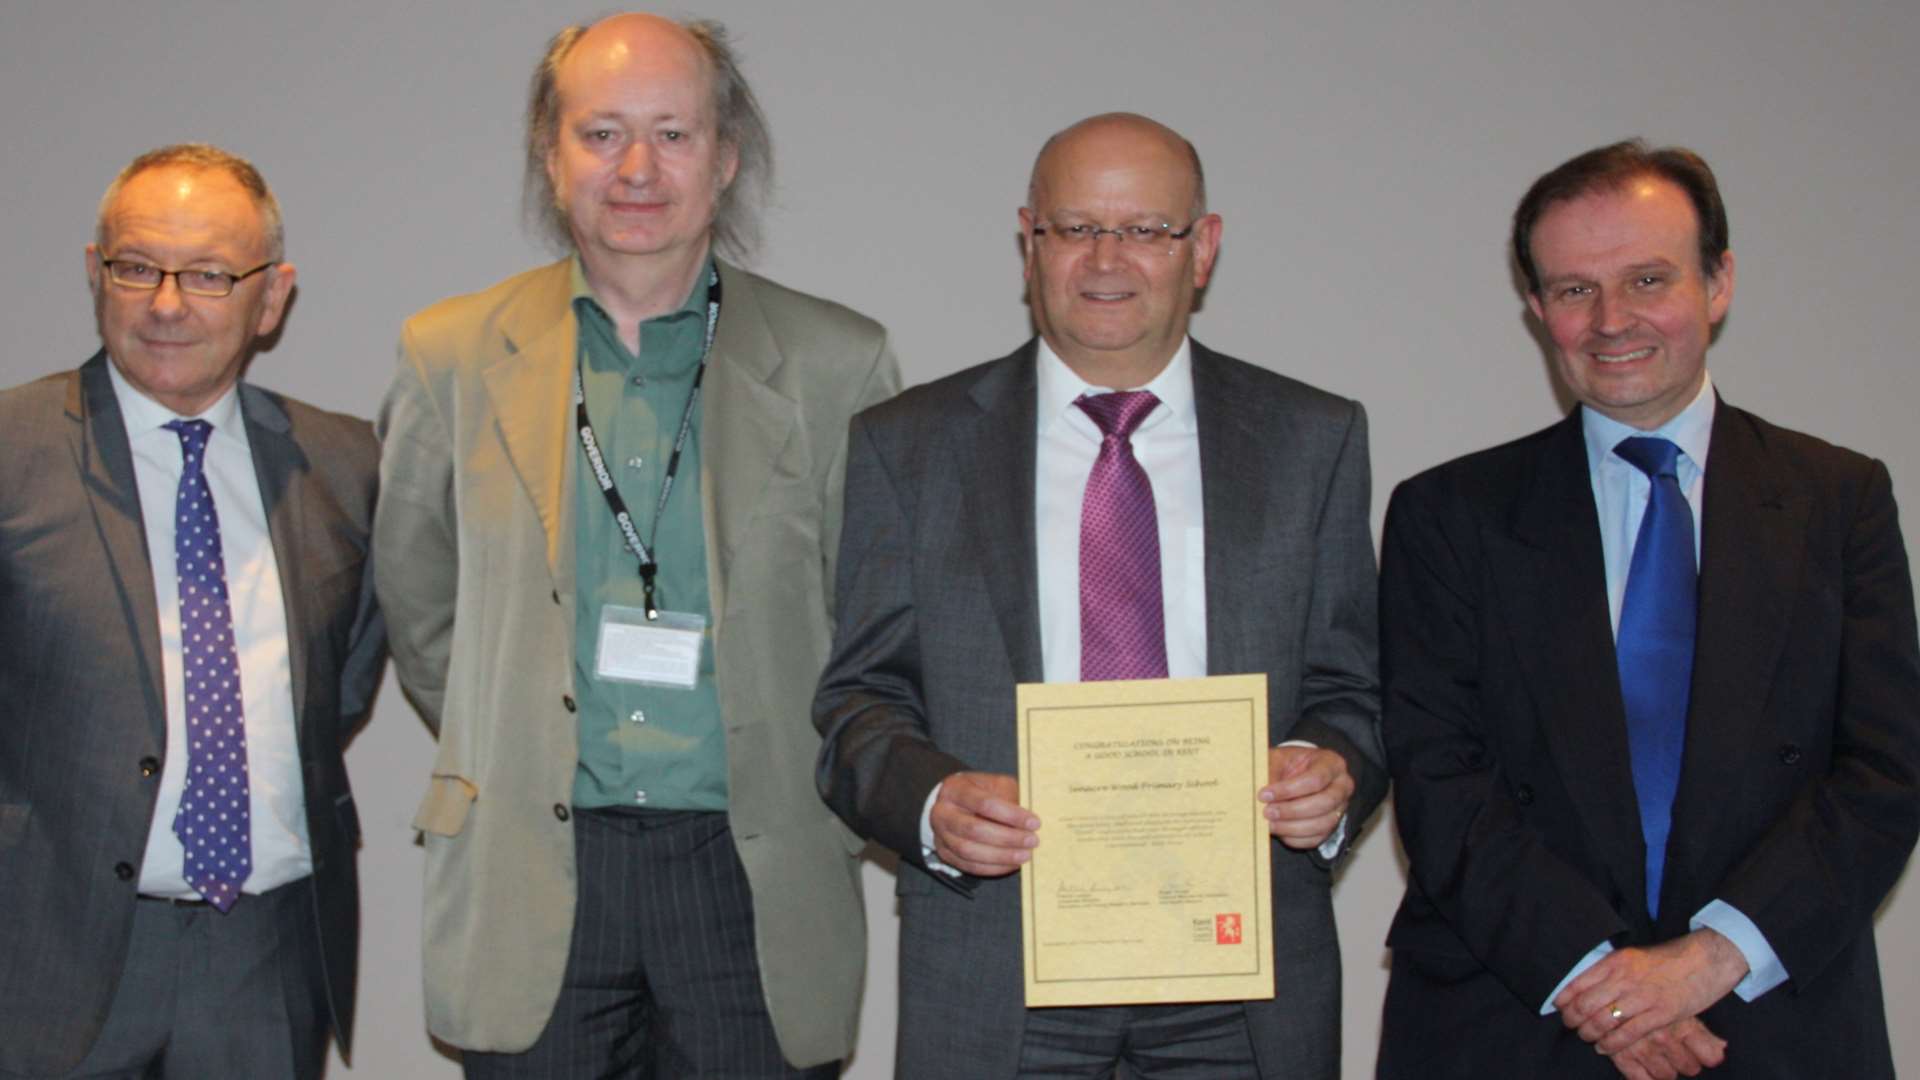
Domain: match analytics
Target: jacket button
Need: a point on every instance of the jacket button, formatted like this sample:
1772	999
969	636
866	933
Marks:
556	596
1789	754
560	811
123	871
567	700
149	765
1524	794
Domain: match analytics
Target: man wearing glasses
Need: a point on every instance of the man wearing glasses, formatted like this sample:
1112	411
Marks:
974	558
187	646
614	491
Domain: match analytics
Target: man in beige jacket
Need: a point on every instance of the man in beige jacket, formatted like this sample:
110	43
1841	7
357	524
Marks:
611	498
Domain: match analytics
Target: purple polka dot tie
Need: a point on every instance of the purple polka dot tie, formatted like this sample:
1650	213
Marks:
1122	627
213	822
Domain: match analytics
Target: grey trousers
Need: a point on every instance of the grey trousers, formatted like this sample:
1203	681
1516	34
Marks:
662	980
205	994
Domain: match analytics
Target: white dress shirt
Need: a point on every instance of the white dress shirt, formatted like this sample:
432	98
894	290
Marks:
278	804
1620	494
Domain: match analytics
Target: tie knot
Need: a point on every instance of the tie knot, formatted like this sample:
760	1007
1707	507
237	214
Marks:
1118	414
1655	457
193	438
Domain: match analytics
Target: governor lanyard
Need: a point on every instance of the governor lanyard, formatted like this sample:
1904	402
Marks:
649	565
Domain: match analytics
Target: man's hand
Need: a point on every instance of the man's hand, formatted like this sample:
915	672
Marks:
1679	1049
979	826
1307	790
1633	992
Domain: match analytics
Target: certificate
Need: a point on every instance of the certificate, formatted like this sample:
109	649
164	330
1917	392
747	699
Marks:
1151	882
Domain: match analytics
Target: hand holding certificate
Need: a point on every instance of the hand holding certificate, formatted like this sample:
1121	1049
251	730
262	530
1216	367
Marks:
1153	884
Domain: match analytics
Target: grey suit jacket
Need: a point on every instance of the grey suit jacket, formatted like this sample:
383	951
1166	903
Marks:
940	620
83	713
476	535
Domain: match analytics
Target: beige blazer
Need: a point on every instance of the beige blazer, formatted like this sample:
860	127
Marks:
474	536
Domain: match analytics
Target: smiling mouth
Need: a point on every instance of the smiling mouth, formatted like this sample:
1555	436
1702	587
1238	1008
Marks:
1623	358
1106	297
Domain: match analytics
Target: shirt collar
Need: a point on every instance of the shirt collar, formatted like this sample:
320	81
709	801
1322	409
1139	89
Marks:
695	303
142	414
1691	430
1060	387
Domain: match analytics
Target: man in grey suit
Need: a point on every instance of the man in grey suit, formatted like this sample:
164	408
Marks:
971	563
615	494
186	648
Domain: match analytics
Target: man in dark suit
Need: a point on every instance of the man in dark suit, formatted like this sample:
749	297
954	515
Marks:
188	640
972	528
1651	688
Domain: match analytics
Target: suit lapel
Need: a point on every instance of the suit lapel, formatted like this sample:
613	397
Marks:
301	537
1552	583
1232	441
746	424
106	469
531	388
998	501
1752	543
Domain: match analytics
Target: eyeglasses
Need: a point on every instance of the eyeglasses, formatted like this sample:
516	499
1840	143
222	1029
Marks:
1086	234
135	274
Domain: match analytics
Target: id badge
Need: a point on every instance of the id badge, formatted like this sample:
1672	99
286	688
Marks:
654	652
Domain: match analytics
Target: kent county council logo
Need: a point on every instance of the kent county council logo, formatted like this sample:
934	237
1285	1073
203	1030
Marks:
1226	929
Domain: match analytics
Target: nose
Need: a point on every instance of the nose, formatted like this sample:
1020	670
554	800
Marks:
168	301
1612	315
1107	250
636	165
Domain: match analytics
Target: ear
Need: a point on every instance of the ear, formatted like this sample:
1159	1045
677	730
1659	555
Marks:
1206	248
1720	289
729	165
96	273
1534	305
1026	242
273	304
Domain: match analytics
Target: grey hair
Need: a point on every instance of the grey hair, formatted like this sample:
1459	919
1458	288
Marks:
738	122
212	158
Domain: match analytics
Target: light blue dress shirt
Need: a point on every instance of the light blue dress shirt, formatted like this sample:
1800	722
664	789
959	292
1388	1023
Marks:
1620	492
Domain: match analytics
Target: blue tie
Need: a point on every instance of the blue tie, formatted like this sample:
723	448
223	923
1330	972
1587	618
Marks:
213	822
1655	646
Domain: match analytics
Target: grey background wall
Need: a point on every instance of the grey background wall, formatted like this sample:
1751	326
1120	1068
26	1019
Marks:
1365	158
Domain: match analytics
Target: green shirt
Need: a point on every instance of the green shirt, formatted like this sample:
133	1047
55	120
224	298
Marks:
643	745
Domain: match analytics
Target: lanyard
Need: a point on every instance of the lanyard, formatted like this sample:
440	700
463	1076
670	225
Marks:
649	565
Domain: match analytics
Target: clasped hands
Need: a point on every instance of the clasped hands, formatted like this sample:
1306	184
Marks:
980	828
1641	1006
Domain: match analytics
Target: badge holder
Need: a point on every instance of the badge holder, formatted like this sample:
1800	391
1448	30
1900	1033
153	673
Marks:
662	651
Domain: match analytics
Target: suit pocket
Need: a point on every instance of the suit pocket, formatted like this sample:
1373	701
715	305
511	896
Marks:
444	811
13	823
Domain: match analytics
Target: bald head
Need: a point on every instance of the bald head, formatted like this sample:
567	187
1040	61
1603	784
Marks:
1117	242
1134	134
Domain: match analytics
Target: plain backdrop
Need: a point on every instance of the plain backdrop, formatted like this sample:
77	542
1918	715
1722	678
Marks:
1365	158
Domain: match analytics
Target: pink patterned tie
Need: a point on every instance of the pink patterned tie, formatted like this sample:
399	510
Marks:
1122	628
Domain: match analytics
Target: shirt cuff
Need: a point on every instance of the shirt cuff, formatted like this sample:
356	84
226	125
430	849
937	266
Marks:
1764	969
1547	1007
926	836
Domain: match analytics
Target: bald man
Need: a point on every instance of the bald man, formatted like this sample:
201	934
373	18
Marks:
616	495
957	584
